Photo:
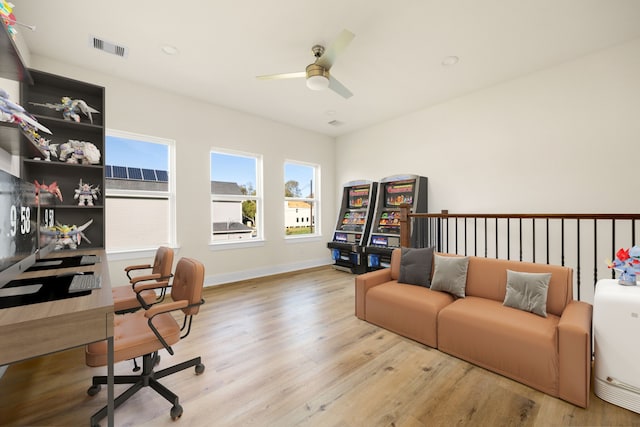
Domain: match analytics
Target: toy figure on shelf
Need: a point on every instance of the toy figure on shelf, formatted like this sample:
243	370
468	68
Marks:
86	194
70	108
51	190
82	152
48	150
66	236
8	18
15	113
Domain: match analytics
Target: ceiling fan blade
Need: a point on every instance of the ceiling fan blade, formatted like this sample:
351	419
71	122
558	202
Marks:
283	76
339	88
329	56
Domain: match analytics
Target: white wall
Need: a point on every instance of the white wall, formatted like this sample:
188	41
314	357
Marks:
197	127
564	139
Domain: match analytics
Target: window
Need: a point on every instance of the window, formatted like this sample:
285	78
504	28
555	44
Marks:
301	199
140	192
236	197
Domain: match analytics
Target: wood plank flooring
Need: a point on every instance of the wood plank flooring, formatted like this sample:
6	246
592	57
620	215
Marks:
288	351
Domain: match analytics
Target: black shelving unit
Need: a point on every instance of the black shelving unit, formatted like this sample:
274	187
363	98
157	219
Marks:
49	89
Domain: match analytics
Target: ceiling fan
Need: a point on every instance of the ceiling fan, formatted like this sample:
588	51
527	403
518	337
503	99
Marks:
317	73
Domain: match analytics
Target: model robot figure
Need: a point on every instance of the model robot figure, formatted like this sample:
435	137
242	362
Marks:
82	152
71	108
66	236
86	194
15	113
51	189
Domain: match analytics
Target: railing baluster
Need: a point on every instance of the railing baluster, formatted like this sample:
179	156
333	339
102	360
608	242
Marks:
485	238
533	231
578	248
520	236
496	237
595	252
547	222
613	245
508	239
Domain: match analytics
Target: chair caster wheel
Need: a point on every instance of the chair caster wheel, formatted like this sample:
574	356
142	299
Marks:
94	389
199	368
176	412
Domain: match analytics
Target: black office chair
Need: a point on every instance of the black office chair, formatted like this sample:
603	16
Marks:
146	331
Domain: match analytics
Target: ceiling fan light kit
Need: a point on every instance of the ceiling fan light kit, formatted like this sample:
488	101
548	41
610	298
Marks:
317	77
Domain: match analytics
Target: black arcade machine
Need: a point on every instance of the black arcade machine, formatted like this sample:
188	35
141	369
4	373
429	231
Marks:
352	228
385	229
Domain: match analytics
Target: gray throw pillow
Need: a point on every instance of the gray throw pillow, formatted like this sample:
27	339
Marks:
415	266
527	291
450	274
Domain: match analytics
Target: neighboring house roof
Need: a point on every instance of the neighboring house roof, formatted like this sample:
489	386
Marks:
222	187
230	227
298	204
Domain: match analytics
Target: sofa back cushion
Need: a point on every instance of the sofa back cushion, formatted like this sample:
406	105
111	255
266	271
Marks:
487	278
396	256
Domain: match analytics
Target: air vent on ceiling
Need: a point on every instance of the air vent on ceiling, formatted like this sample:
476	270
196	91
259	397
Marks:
335	123
108	47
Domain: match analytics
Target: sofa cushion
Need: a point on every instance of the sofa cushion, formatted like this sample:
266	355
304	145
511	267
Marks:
487	278
415	266
408	310
527	291
511	342
450	274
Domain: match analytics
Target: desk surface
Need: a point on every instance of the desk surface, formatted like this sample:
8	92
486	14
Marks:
36	329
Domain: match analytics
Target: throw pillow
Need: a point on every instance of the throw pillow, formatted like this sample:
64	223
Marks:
527	291
450	275
415	266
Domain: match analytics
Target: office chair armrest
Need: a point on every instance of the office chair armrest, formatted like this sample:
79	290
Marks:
144	278
165	308
131	268
139	287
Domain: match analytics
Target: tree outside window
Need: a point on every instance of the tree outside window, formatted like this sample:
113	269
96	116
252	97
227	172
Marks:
235	198
301	201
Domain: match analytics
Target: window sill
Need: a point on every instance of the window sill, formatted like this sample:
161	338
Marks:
303	238
235	244
125	254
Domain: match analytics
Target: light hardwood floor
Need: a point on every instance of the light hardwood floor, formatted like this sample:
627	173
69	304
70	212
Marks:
288	351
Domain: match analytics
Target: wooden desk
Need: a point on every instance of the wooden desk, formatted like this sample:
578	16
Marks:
38	329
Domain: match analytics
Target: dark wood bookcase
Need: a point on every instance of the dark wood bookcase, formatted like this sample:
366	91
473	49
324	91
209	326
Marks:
50	88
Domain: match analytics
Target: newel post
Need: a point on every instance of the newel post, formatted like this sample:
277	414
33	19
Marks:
405	225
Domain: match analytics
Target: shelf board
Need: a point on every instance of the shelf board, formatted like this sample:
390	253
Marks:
10	137
57	163
11	63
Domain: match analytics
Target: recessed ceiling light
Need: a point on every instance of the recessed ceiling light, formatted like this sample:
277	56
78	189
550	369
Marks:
450	60
170	50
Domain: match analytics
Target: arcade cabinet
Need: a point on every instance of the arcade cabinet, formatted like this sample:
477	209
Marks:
385	229
352	228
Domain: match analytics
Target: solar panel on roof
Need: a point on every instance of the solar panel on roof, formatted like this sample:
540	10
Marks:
148	175
120	172
163	176
134	173
107	171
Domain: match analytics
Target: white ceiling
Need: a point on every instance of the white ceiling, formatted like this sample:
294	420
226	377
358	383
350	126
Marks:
393	66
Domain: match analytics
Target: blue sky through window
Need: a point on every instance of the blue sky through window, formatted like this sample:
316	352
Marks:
233	168
134	153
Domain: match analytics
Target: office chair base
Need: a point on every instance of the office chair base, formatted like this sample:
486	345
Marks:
148	378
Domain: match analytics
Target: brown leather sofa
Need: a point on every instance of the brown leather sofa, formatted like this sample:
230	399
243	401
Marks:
551	354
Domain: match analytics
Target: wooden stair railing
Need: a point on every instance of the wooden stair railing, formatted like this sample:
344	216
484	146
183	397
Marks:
581	241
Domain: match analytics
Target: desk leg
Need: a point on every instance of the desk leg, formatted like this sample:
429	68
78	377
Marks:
110	397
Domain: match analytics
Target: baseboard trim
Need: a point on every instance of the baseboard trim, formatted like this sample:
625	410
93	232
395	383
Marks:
236	276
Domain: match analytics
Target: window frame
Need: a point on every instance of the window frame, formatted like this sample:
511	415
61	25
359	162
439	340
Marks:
258	240
315	201
170	194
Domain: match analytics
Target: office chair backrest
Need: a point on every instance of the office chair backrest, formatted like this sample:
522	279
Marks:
187	284
163	262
